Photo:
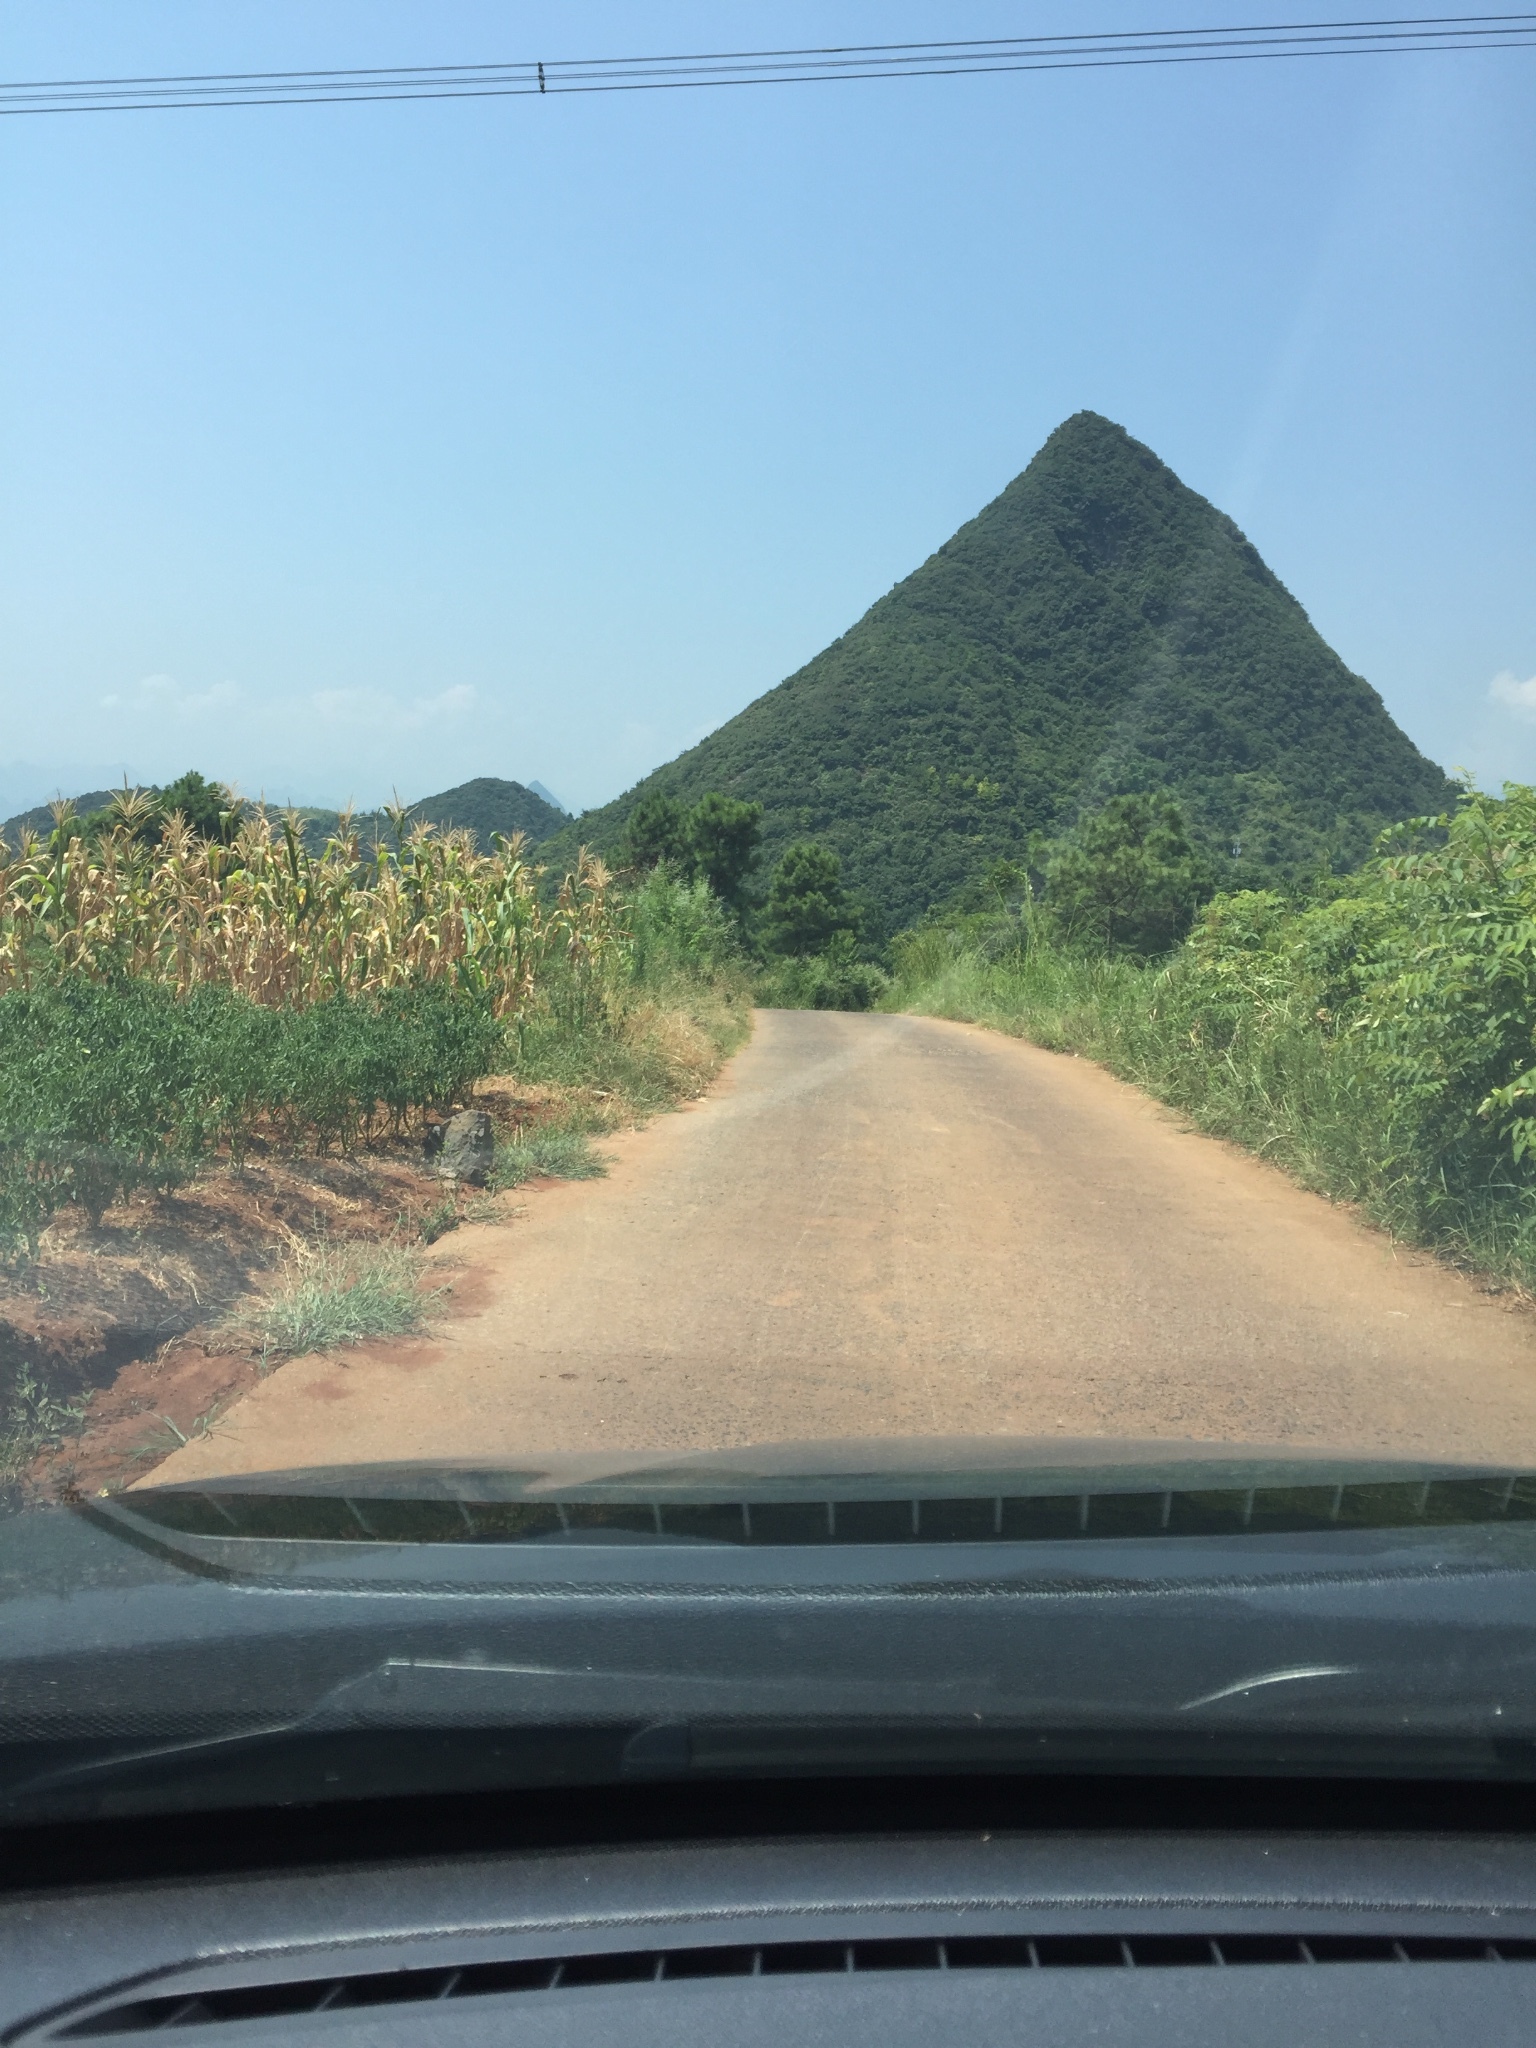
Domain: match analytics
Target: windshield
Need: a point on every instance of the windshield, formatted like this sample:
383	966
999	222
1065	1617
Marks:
769	823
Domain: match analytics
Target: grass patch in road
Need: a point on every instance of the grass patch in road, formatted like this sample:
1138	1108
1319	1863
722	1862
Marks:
555	1155
335	1294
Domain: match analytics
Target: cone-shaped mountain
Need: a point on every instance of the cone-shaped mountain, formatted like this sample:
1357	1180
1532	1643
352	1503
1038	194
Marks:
1099	627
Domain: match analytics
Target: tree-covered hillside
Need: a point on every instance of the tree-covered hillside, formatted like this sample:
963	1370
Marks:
1099	628
488	804
484	806
40	818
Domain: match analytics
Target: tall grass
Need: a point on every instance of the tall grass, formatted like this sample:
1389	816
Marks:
669	1000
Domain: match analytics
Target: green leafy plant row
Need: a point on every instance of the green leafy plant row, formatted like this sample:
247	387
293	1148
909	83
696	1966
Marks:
110	1085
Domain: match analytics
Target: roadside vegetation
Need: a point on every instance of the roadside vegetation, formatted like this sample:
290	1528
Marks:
331	1294
1372	1033
193	999
171	996
802	935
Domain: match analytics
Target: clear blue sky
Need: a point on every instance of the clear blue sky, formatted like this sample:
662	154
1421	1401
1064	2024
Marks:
357	448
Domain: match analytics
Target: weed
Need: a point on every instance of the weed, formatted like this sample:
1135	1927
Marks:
35	1421
334	1294
443	1216
168	1437
558	1155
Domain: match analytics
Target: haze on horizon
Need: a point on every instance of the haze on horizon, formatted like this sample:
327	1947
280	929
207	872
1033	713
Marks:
373	448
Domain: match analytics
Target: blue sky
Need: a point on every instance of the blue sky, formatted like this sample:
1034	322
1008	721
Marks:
349	449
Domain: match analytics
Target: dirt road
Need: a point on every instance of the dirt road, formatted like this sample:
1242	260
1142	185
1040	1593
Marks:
894	1226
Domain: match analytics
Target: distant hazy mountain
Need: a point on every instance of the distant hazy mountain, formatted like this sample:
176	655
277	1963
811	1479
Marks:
487	805
1099	627
538	789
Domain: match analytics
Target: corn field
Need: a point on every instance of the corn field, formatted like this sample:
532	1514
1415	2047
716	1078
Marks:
265	917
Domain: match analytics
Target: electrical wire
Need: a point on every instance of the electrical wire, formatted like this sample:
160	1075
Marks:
1423	35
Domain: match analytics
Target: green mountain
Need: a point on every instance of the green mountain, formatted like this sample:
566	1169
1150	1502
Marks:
40	818
1098	628
489	805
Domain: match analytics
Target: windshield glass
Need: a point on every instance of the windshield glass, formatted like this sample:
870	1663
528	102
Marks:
762	806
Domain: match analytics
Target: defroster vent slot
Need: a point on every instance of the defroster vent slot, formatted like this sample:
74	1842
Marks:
230	2004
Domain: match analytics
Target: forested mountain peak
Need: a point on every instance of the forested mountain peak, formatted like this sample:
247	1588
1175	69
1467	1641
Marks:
1098	628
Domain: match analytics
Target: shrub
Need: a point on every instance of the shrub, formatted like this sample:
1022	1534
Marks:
679	927
336	1065
832	980
103	1087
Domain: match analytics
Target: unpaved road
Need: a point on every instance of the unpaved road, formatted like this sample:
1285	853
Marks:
890	1226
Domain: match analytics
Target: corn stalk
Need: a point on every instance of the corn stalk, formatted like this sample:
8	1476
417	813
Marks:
266	916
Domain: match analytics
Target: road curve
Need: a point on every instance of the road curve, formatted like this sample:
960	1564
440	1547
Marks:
894	1226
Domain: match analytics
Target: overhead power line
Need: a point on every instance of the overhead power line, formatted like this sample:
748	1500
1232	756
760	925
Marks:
1423	35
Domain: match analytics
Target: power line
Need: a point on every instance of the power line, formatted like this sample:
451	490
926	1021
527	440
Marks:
1420	34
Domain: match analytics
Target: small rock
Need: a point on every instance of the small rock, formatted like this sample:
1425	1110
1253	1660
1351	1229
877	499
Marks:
468	1148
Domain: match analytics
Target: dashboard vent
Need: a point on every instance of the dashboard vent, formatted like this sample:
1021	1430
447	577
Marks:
781	1959
981	1518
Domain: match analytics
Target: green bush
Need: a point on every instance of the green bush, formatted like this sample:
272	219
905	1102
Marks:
103	1088
835	979
679	927
336	1065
